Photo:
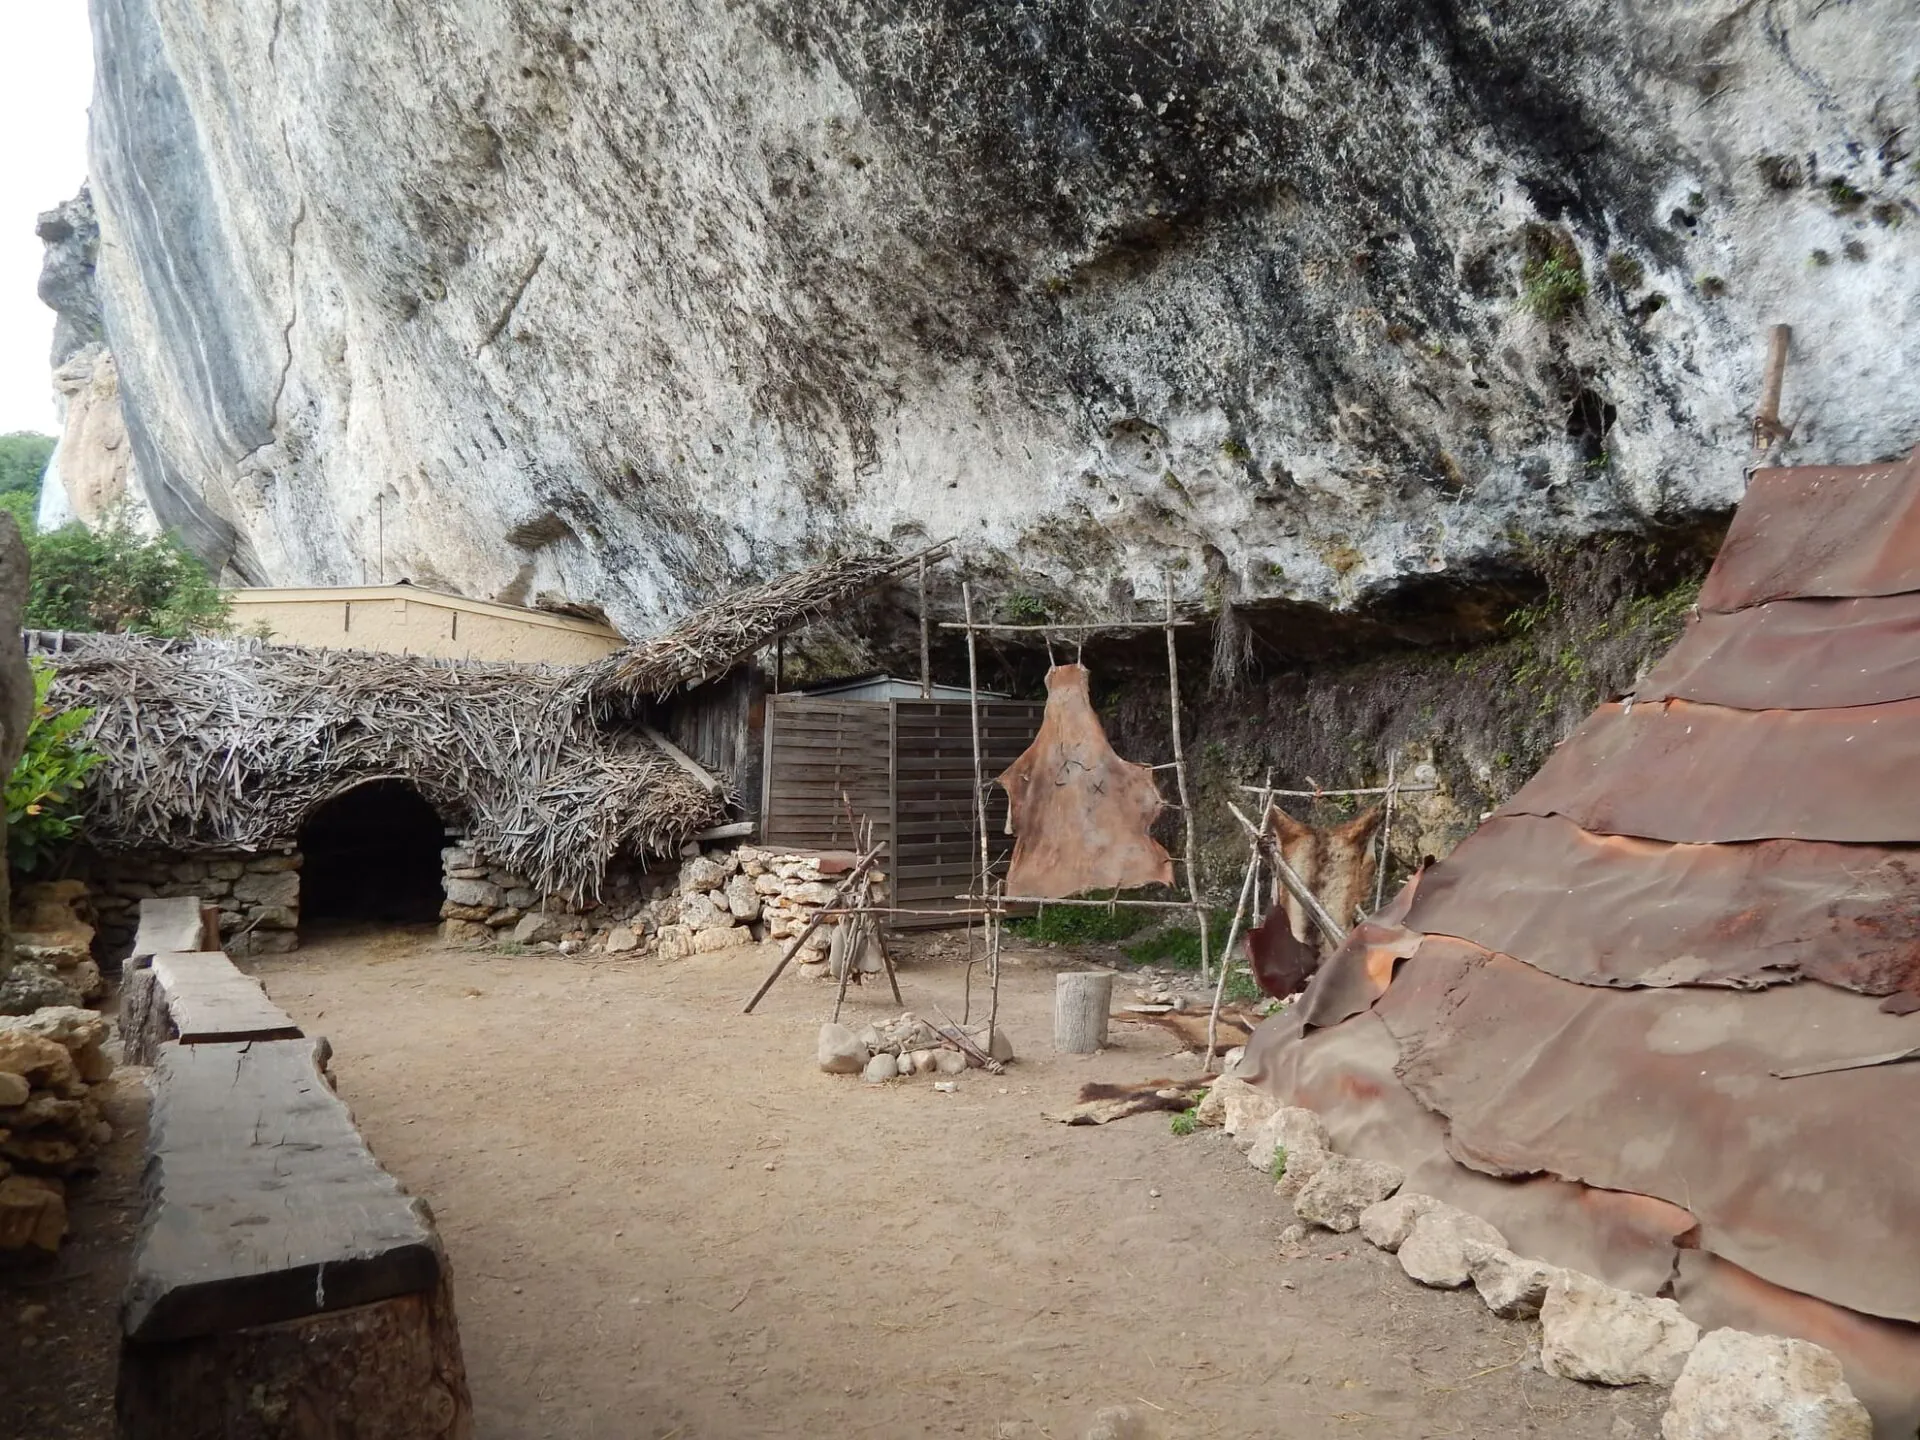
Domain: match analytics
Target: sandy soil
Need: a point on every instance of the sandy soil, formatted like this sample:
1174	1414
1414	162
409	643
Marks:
665	1222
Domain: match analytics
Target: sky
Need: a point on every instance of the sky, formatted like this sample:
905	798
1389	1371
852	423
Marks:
43	160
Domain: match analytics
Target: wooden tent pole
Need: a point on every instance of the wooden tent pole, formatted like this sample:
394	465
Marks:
926	638
1386	836
1180	777
973	707
1226	958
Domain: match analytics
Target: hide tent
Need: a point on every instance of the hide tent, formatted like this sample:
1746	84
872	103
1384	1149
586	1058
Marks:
1651	1019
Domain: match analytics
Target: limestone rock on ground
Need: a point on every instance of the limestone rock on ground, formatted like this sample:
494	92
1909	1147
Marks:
1386	1223
881	1067
33	1212
621	940
841	1052
1440	1248
728	937
1342	1187
1236	1107
1298	1132
1512	1287
1591	1331
1737	1386
1118	1422
538	927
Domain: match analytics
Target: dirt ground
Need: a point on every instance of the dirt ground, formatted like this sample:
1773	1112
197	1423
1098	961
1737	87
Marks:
60	1317
666	1224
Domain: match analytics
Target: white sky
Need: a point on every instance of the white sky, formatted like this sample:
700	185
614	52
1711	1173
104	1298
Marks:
43	159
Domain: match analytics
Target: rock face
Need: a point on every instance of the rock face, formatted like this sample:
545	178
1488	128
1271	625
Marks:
1761	1387
1302	303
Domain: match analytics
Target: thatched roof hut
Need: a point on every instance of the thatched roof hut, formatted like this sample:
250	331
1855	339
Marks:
711	641
224	745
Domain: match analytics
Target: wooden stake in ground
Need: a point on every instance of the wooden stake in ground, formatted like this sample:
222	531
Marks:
926	638
860	868
1180	778
1081	1002
1386	836
973	706
1767	429
1226	958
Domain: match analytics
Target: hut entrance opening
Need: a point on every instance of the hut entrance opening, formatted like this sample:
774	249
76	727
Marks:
372	854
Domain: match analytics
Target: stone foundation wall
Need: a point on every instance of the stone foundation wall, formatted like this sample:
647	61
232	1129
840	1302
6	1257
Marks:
716	899
258	896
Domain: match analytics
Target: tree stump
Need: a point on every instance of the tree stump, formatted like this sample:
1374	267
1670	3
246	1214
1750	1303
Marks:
1081	1000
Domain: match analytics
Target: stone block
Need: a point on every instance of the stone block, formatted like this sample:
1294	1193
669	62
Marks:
478	914
226	869
675	942
1341	1188
721	938
840	1051
275	942
274	917
1593	1332
33	1213
1388	1223
1763	1387
273	887
465	932
540	926
500	919
473	892
273	864
1513	1288
702	873
742	899
1442	1244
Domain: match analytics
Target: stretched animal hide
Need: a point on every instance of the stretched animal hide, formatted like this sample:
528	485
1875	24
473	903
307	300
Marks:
1080	814
1100	1103
1189	1027
1281	964
1337	864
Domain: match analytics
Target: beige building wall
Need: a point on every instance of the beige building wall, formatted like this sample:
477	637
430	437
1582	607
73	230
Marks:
406	620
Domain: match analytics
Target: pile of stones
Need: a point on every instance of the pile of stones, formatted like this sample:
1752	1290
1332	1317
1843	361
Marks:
902	1048
53	949
53	1078
714	900
1726	1382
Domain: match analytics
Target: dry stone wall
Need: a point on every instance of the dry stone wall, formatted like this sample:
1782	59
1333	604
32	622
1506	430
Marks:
716	899
258	896
53	1078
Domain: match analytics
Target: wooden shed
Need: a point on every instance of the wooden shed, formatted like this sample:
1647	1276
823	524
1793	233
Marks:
906	765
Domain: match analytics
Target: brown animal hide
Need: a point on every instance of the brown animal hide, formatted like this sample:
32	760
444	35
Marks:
1100	1103
1337	864
1189	1027
1281	964
1080	814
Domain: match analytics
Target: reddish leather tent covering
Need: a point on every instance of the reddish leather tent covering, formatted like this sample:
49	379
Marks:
1080	814
1636	1020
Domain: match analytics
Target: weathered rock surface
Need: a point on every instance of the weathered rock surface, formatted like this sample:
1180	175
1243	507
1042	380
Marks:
1442	1244
1512	1286
1296	1131
841	1051
1387	1224
1761	1387
1342	1187
1253	292
1591	1331
881	1067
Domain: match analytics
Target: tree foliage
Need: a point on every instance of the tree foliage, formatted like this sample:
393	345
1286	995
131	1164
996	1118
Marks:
43	792
114	578
23	460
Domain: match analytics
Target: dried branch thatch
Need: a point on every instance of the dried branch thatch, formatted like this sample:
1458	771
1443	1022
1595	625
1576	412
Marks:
230	744
713	639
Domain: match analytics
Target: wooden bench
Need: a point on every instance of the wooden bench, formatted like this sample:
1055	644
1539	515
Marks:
178	987
285	1285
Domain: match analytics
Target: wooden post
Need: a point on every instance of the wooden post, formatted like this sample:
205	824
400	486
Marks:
993	970
1386	837
926	638
1767	428
1226	958
858	872
1081	1001
1180	778
973	704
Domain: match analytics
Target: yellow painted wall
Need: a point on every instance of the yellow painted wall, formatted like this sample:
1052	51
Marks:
405	620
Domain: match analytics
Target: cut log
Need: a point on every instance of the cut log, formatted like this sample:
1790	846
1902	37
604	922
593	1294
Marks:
264	1204
387	1371
177	924
210	1002
1081	1000
144	1026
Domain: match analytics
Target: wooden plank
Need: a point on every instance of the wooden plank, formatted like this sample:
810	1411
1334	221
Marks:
169	925
264	1204
210	1001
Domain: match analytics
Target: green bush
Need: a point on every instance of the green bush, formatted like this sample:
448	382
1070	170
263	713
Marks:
115	578
1553	287
1179	945
43	791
